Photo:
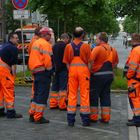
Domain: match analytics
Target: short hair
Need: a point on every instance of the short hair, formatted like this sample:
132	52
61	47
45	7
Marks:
78	32
103	36
64	36
11	35
37	31
135	37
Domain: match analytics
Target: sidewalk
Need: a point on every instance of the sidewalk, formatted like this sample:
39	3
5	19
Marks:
57	129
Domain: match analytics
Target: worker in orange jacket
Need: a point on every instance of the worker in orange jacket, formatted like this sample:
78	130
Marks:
103	59
58	94
8	60
132	73
34	38
77	56
40	64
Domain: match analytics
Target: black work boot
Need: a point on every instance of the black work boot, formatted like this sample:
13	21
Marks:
31	118
71	124
42	120
11	114
2	113
17	115
105	122
132	123
86	124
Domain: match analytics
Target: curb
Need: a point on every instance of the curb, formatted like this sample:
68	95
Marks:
112	91
119	91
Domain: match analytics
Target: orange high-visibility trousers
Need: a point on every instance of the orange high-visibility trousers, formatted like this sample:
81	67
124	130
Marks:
78	77
54	99
134	96
6	89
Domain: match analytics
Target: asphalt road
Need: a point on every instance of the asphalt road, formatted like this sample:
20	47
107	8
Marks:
57	129
122	51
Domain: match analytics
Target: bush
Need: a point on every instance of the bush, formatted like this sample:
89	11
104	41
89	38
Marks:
119	81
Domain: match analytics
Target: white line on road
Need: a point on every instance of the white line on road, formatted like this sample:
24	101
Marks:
91	128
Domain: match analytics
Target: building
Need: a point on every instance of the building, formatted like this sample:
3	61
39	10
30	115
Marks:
2	25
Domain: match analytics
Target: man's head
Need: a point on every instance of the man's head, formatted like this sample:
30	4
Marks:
65	38
13	37
101	37
135	39
79	33
45	33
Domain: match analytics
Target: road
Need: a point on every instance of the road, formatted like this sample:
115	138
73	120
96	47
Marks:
57	129
122	52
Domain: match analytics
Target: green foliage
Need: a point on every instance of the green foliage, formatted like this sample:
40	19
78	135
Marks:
119	81
93	15
27	73
11	24
130	25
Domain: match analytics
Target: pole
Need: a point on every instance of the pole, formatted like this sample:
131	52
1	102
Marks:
22	39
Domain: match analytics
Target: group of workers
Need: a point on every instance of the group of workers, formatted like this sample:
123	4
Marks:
71	65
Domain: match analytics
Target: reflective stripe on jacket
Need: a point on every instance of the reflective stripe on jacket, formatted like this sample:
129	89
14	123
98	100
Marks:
40	55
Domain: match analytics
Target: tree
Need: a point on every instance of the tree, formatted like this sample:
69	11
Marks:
130	25
11	24
130	8
93	15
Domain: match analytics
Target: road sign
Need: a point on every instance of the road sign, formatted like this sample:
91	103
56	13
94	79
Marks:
18	14
20	4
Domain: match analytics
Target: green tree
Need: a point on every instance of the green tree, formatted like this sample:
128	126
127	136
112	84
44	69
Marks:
93	15
130	8
130	25
11	24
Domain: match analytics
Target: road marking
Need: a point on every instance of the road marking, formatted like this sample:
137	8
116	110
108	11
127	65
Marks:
80	126
91	128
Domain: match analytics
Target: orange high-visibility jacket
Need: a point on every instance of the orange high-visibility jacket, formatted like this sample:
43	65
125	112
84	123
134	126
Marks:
40	55
84	52
134	64
102	53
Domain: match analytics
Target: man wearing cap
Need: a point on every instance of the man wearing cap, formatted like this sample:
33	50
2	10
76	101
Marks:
103	59
40	64
77	56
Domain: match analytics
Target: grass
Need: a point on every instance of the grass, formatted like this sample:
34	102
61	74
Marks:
27	73
118	83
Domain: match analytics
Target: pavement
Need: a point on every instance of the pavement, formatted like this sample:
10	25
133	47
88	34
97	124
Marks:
57	129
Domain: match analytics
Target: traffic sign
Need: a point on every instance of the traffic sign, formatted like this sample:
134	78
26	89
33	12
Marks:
20	4
18	14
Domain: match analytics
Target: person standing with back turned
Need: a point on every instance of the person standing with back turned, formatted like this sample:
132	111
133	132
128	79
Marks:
58	93
77	56
103	59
